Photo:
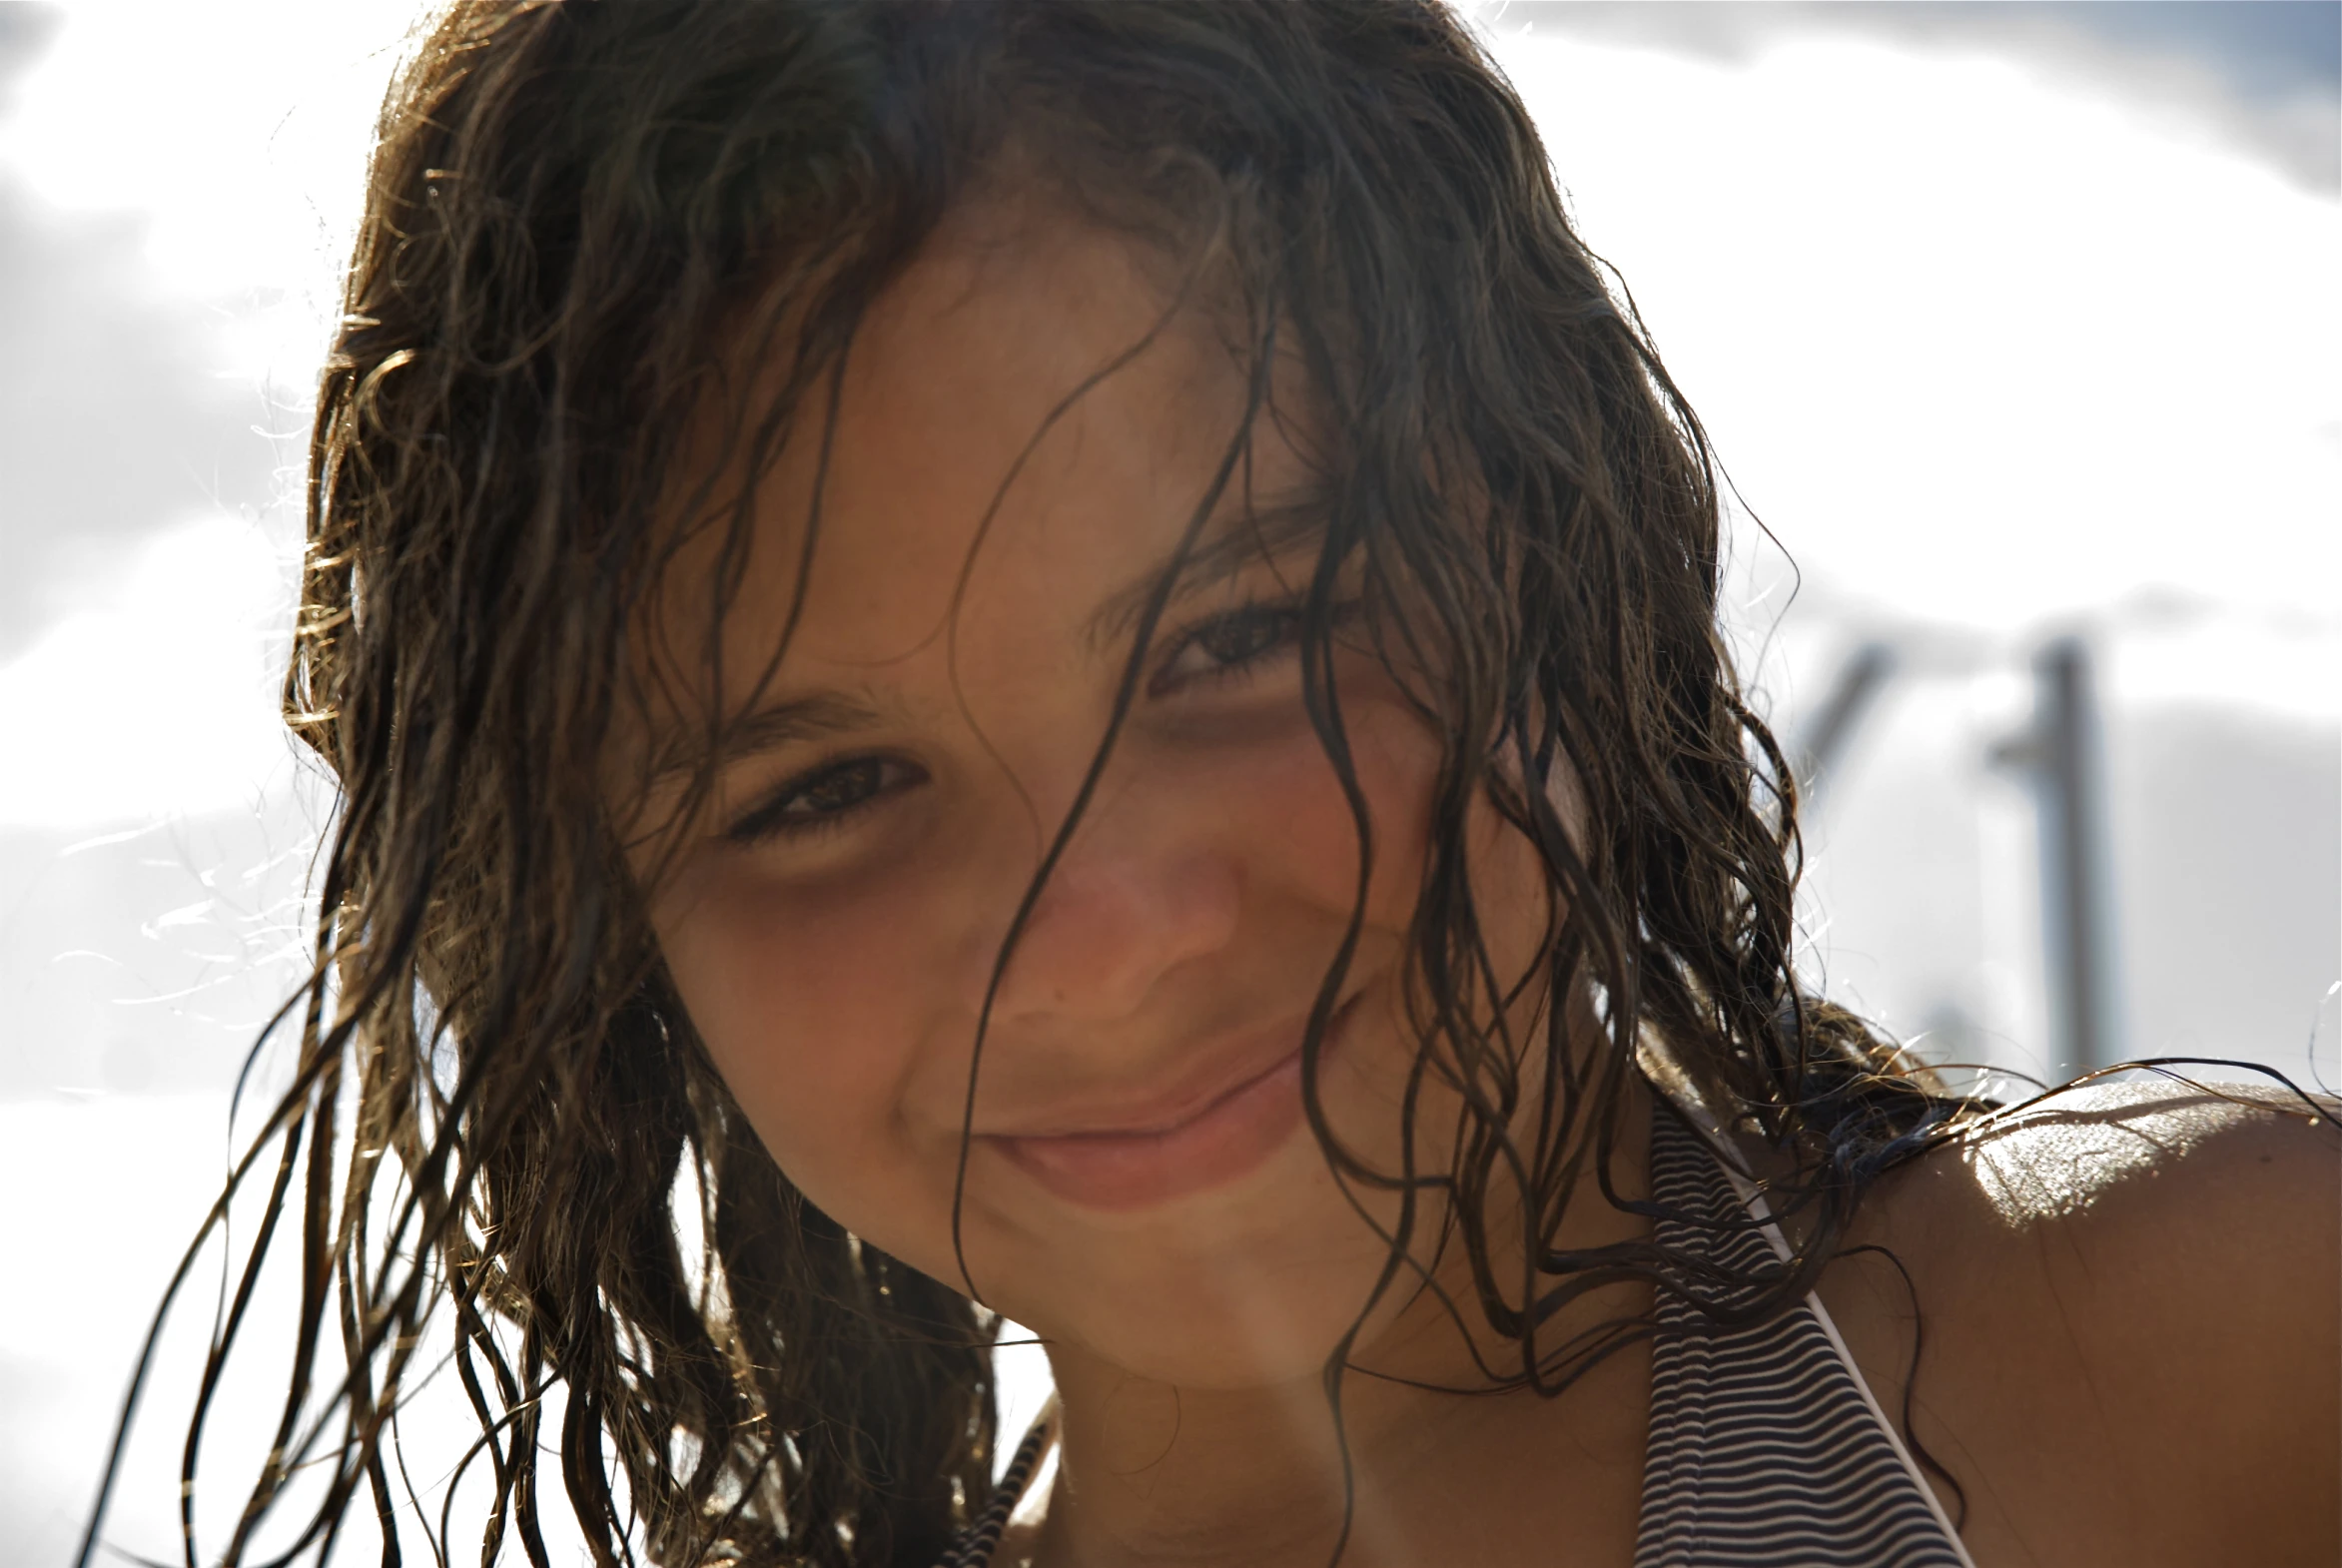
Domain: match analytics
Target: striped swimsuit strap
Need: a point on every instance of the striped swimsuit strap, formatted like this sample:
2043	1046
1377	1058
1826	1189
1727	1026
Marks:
1766	1447
975	1545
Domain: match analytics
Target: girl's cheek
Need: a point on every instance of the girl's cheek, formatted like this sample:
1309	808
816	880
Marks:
803	1001
1308	826
814	1027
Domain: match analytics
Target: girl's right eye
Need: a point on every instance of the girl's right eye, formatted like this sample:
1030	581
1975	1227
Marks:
823	799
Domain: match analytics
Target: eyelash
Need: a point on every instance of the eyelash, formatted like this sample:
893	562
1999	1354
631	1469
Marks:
771	819
1285	619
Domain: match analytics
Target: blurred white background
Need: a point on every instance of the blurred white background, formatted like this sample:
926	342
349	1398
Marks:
2009	322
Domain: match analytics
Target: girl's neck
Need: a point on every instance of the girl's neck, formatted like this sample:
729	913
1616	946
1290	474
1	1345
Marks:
1149	1472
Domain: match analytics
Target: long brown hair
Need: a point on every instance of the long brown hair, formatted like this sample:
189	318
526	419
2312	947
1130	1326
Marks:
577	214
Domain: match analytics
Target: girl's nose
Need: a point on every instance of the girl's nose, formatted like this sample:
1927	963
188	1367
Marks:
1114	919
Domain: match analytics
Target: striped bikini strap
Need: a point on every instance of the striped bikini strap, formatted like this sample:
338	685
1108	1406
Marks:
975	1545
1766	1447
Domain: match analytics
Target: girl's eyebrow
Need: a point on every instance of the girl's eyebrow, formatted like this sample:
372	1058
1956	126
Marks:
815	716
1257	535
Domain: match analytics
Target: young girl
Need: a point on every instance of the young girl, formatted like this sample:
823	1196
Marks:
1058	662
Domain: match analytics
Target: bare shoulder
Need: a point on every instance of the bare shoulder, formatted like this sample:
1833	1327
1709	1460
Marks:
2177	1175
2068	1153
2131	1305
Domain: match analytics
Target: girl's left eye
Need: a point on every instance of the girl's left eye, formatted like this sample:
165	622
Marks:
1229	645
823	798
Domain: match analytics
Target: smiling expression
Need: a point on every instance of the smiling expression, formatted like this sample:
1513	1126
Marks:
1142	1182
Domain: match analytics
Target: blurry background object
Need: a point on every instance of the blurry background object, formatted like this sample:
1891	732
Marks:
2014	326
1823	734
2063	754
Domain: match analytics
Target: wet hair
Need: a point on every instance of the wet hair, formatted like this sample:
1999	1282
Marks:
578	216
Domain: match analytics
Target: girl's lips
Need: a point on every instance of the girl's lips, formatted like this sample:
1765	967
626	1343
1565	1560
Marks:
1227	1139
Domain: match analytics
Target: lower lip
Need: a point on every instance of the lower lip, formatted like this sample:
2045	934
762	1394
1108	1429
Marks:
1118	1171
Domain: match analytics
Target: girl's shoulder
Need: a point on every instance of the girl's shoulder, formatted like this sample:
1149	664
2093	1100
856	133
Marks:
2127	1306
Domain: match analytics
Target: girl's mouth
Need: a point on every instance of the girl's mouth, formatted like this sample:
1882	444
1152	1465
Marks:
1228	1137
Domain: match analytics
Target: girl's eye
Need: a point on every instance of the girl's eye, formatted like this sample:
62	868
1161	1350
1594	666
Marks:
1229	644
824	798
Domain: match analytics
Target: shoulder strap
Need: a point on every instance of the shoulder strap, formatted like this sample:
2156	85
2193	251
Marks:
1767	1448
977	1543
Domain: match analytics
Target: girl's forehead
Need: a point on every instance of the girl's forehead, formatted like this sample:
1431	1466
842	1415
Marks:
1023	432
1024	412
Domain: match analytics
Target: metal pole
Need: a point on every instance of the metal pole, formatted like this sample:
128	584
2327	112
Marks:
2064	756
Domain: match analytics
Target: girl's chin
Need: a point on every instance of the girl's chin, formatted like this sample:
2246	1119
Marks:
1221	1347
1255	1295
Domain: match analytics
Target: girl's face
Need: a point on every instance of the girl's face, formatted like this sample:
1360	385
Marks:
1141	1184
